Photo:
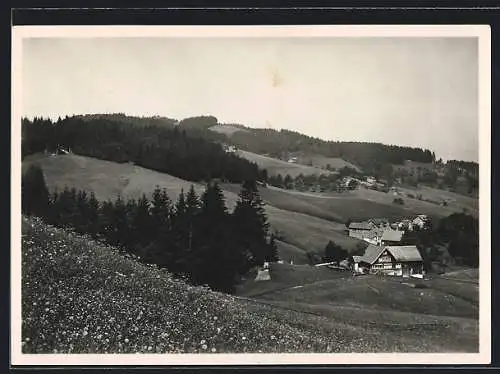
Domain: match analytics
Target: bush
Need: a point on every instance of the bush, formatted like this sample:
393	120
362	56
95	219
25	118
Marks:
398	201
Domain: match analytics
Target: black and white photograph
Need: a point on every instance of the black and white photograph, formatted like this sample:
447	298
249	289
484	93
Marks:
243	195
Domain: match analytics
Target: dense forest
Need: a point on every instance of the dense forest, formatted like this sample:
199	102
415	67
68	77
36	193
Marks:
194	237
177	151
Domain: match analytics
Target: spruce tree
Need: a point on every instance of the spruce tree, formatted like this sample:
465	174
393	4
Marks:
82	212
67	207
106	225
159	251
120	224
141	223
272	255
215	261
251	224
34	192
93	215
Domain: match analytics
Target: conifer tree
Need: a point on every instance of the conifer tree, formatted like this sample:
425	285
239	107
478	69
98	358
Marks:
82	210
216	261
180	206
67	207
272	255
93	215
120	226
34	192
141	223
251	224
106	220
159	251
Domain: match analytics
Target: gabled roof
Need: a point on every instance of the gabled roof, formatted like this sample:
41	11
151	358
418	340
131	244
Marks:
360	225
405	253
392	235
357	259
372	234
379	221
372	252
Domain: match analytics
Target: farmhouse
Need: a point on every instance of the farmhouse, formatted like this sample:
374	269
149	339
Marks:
420	221
360	230
374	236
392	237
402	261
379	222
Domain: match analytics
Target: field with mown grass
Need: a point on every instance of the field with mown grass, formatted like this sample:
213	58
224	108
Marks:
275	166
80	296
441	311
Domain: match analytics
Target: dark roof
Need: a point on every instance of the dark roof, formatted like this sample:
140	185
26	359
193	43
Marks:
379	221
372	252
357	258
405	253
360	225
392	235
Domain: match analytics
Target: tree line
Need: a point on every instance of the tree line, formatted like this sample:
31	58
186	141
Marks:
369	156
180	152
316	182
194	237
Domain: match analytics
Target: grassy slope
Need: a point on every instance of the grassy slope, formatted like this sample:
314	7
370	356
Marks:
307	221
288	252
108	179
227	130
318	161
80	296
456	202
275	166
445	311
322	161
359	204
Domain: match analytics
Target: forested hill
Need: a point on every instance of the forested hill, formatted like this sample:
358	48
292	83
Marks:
366	155
174	150
279	143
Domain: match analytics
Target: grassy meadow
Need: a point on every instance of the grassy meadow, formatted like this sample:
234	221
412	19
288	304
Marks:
306	220
275	166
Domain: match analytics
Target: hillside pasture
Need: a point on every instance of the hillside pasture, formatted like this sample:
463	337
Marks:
288	252
456	202
275	166
410	207
227	130
285	276
321	162
109	179
383	293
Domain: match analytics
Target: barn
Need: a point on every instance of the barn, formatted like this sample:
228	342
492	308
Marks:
360	230
392	237
403	261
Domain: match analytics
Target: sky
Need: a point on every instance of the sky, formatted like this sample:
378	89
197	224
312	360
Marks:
420	92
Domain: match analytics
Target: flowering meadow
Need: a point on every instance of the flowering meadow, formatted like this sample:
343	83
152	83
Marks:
82	296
